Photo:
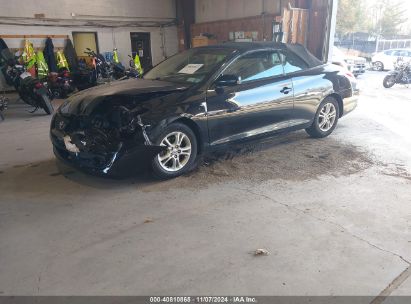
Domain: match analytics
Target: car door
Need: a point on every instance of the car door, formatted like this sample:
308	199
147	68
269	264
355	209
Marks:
260	103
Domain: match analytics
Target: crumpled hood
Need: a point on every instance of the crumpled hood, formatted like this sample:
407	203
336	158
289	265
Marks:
84	102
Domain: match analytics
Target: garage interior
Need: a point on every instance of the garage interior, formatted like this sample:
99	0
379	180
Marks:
334	214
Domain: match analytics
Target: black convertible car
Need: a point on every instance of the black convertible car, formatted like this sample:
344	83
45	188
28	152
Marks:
198	100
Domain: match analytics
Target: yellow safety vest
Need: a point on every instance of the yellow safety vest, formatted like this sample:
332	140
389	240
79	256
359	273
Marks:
42	68
29	56
62	61
115	56
137	65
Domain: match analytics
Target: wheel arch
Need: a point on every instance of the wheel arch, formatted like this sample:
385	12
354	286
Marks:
380	62
194	127
340	102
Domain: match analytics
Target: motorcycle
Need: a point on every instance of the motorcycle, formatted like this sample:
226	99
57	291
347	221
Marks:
60	84
132	72
3	106
119	71
401	74
105	71
84	77
31	90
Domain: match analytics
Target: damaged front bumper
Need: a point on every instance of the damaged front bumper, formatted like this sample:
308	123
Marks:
126	158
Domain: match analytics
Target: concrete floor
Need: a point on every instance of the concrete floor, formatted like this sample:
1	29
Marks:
335	214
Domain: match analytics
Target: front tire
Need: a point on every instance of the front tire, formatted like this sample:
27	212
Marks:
326	119
389	81
180	155
46	104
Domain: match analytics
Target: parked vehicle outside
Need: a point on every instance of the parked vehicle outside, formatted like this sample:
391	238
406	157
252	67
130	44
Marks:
197	101
354	64
400	75
386	60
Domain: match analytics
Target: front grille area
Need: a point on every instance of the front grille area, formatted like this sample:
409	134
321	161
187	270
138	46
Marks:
89	135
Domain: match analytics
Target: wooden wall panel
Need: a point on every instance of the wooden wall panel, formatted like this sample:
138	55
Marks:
185	11
295	25
310	28
306	4
221	29
318	27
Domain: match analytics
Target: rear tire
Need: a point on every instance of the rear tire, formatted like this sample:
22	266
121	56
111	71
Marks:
181	154
24	98
47	106
326	119
389	81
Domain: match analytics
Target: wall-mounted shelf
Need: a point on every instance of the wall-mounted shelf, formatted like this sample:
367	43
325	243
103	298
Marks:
34	36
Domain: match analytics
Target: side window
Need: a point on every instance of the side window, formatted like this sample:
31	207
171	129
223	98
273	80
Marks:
257	65
293	63
399	53
388	53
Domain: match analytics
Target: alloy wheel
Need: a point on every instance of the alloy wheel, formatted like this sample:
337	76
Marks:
379	66
178	152
327	117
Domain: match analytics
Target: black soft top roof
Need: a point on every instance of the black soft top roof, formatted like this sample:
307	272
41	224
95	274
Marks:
297	49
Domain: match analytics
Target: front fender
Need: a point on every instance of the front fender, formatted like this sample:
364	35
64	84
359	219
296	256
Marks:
198	123
154	130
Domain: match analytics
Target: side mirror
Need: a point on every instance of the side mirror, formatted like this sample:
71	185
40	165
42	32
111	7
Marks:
228	81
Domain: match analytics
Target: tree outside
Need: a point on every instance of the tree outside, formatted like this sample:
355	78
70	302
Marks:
380	18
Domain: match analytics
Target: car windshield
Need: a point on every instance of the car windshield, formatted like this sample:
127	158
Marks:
189	67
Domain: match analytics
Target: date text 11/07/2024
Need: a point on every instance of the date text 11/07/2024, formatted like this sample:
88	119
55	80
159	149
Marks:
171	300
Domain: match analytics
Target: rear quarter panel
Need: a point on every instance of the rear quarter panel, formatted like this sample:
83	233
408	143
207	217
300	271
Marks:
311	87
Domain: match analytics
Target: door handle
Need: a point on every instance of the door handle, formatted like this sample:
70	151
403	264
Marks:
286	90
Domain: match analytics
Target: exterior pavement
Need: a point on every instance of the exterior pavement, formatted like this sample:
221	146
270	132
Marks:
335	215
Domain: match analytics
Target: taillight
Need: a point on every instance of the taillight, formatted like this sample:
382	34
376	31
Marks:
38	85
350	75
66	74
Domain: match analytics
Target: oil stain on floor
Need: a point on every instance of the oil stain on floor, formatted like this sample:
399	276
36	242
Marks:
291	157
